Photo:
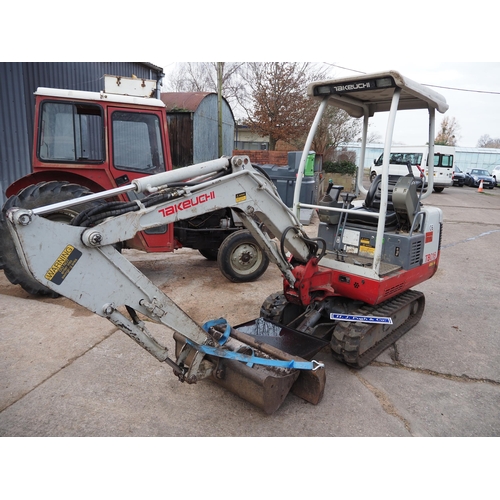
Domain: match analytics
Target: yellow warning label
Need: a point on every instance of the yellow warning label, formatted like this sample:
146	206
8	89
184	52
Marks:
63	265
365	248
241	197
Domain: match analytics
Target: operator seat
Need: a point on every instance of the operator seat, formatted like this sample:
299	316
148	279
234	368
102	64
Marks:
372	199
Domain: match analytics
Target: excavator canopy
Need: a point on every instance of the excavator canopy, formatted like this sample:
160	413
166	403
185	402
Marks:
373	92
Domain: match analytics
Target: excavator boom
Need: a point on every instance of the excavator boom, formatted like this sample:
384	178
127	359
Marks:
81	262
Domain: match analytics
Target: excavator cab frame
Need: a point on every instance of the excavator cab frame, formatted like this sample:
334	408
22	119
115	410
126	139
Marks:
362	97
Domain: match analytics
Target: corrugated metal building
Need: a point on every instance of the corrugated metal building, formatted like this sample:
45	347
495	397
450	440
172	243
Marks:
193	127
18	82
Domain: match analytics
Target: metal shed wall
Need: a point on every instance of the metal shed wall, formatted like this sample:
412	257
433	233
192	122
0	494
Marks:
193	127
205	131
18	82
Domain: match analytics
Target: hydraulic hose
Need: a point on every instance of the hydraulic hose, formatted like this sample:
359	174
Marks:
312	243
95	215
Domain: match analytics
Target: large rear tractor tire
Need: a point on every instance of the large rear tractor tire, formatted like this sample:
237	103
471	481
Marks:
240	258
34	196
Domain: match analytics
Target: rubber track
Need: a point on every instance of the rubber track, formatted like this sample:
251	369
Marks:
347	337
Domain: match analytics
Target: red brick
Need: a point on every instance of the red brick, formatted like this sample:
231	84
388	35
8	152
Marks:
264	157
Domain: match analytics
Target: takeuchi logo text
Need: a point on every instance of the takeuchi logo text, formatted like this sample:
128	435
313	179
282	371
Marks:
353	86
187	204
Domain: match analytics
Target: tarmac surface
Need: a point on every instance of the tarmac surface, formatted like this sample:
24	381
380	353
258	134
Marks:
67	372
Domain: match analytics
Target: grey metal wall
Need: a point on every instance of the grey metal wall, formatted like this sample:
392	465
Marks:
205	130
18	81
15	157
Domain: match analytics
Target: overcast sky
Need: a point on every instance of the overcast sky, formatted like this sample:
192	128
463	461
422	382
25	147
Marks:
361	35
476	106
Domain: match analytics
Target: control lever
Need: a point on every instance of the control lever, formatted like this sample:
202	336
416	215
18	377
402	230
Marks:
337	243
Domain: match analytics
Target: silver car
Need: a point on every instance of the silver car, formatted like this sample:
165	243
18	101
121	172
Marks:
495	173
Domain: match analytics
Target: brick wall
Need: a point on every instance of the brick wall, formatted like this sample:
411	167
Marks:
265	157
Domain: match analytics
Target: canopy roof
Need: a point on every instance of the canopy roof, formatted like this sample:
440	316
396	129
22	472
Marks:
374	92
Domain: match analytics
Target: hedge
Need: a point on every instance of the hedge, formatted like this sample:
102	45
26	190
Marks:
339	167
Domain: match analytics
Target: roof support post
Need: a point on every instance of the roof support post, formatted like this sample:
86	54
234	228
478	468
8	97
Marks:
361	166
303	158
377	256
430	159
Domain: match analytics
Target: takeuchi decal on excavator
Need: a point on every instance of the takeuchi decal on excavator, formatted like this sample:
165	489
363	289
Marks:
187	204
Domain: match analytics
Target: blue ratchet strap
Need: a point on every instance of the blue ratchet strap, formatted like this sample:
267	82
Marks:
251	360
215	322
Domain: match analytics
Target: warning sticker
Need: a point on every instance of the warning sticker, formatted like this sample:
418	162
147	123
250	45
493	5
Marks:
63	265
365	248
241	197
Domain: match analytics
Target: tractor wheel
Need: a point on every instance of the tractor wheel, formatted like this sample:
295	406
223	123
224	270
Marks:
37	195
240	258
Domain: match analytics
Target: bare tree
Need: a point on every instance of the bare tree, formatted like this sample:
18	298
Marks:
273	97
276	103
448	134
336	127
485	141
373	137
202	77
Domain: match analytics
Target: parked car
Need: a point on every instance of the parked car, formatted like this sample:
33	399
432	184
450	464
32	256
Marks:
458	177
476	175
495	173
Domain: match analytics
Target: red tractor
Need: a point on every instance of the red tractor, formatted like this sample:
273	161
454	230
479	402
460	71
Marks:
89	142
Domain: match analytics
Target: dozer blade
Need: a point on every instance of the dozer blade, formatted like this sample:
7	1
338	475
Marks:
263	386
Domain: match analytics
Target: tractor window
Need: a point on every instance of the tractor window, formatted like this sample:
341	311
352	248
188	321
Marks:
137	144
70	132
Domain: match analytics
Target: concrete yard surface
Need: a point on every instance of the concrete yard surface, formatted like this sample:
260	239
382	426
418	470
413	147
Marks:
66	372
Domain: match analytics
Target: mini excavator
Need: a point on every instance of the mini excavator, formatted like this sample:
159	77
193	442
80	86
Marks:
349	288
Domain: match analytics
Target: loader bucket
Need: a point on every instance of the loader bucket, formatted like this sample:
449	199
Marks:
263	386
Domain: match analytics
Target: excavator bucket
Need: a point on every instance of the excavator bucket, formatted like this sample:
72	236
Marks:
267	386
285	343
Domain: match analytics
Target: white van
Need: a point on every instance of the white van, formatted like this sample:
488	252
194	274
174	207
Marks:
418	156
